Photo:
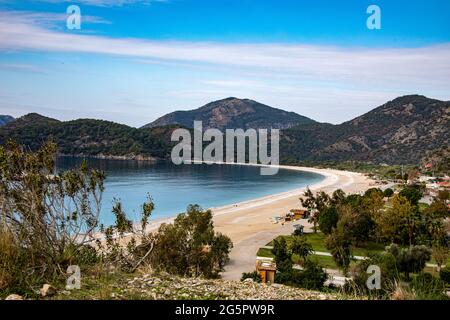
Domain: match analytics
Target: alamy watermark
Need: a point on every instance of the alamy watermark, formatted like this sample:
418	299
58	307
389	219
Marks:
235	147
74	279
374	280
73	20
374	20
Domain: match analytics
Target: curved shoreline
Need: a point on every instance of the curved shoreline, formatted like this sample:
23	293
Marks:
328	180
331	179
249	224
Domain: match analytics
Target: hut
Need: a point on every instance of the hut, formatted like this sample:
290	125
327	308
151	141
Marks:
266	270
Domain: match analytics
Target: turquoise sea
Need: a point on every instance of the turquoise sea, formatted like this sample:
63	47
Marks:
174	187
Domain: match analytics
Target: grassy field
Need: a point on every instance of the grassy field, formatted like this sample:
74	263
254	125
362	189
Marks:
317	241
325	261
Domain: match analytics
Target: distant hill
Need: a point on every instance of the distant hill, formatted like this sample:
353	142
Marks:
409	129
88	137
5	119
403	130
233	113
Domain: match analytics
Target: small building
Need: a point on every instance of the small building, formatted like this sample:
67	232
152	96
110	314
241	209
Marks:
299	213
266	270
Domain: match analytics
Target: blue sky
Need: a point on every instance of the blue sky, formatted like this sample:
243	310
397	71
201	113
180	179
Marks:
133	61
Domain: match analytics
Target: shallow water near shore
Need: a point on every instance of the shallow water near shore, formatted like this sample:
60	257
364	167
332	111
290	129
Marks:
174	187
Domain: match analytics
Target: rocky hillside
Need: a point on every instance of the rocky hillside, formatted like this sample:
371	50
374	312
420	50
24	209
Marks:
233	113
5	119
404	130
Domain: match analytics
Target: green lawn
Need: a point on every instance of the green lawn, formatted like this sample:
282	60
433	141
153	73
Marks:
324	261
317	240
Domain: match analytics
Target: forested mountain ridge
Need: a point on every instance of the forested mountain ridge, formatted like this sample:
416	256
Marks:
408	129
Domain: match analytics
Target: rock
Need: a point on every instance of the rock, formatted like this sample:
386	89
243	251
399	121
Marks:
14	297
47	290
248	280
172	287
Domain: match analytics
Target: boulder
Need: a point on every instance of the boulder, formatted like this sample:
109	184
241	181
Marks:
47	290
14	297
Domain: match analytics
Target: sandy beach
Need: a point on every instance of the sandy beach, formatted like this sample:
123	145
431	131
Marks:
249	224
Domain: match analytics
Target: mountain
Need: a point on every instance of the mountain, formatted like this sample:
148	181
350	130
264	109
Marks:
409	129
5	119
233	113
403	130
88	137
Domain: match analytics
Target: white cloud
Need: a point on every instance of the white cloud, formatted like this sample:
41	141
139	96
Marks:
107	3
22	67
429	66
326	83
47	19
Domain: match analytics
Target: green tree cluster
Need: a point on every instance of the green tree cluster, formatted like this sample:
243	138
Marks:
190	247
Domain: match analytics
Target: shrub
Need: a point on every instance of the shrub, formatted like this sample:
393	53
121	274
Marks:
328	219
251	275
372	191
312	276
45	217
388	193
411	259
427	287
340	249
49	221
189	246
412	193
285	277
388	267
444	274
301	247
282	255
9	256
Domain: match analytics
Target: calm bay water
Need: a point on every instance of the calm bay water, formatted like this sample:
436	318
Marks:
174	187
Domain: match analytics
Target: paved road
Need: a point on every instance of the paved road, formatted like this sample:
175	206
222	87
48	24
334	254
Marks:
243	256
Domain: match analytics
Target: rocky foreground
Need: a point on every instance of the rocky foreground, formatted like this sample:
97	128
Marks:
175	288
166	287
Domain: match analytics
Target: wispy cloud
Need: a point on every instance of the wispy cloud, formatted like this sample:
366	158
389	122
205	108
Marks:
48	19
108	3
399	66
323	82
22	67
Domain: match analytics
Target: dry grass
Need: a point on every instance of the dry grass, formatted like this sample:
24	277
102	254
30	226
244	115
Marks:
402	292
8	258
